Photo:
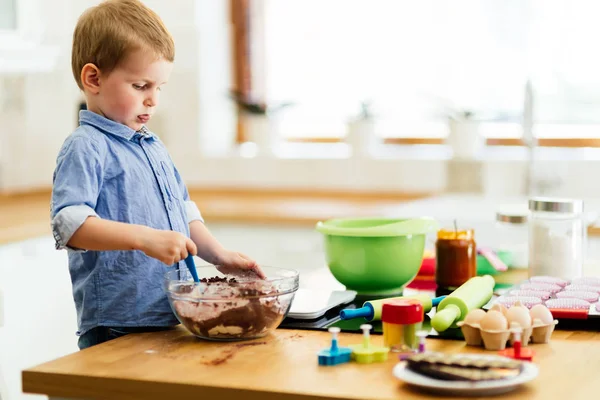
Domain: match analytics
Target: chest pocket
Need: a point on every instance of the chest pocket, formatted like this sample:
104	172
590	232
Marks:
171	182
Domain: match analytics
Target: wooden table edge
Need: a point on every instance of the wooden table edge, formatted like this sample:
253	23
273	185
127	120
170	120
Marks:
69	386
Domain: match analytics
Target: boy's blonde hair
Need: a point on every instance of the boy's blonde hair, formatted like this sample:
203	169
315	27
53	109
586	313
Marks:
106	33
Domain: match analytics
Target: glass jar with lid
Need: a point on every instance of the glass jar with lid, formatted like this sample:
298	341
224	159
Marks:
456	259
557	237
513	234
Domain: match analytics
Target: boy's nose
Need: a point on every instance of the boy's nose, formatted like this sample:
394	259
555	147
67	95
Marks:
151	100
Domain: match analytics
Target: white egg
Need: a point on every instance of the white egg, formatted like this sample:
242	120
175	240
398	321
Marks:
474	316
520	315
542	313
493	321
500	307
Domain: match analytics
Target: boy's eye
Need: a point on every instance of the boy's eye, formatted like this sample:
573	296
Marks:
138	87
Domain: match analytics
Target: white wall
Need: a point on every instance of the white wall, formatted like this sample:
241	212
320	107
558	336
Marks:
38	110
196	121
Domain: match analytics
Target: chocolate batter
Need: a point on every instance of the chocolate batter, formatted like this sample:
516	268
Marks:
247	313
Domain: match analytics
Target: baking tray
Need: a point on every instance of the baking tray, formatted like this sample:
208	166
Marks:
568	319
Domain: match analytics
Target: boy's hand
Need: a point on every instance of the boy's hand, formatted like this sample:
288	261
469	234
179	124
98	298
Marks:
234	263
167	246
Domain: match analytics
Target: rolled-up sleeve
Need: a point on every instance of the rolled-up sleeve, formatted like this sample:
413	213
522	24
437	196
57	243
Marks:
192	212
191	208
76	184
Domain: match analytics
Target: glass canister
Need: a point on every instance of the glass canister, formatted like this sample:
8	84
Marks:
513	234
401	319
557	236
456	258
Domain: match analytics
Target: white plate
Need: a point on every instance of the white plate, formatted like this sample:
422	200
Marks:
462	388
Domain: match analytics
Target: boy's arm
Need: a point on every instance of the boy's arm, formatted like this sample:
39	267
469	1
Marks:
101	234
209	248
76	184
228	262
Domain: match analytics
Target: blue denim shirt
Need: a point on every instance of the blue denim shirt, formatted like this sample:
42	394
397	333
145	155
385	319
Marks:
107	170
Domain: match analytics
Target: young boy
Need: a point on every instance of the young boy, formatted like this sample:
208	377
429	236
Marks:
119	204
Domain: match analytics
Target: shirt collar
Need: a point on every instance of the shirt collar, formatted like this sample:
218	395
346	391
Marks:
111	127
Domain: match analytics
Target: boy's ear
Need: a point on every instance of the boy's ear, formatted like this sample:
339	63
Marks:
90	78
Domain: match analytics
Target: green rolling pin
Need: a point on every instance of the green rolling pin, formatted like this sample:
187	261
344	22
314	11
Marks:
371	310
472	294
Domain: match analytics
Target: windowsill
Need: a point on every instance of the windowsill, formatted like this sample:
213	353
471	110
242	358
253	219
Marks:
433	152
302	151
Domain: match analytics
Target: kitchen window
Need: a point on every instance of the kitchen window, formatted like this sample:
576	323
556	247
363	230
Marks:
8	15
416	60
22	33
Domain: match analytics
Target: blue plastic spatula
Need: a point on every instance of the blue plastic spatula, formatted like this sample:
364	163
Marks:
189	261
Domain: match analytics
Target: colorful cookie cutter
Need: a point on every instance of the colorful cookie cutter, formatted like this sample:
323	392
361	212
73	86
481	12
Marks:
517	352
334	355
365	353
421	349
422	335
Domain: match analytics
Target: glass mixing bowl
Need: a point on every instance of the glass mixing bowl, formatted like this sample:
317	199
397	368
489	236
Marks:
225	307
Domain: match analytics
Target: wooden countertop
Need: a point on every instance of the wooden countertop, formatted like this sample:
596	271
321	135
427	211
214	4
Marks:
26	215
176	365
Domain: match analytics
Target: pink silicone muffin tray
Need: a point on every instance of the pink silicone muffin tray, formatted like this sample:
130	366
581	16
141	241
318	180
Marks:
576	299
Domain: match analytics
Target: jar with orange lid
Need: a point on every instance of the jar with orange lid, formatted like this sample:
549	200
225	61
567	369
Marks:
456	258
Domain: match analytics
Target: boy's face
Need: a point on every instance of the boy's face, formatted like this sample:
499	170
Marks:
130	93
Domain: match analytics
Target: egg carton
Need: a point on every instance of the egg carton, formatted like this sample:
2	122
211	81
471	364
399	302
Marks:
493	329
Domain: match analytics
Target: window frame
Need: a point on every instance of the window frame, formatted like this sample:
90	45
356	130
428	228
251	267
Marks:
11	34
26	33
240	37
244	12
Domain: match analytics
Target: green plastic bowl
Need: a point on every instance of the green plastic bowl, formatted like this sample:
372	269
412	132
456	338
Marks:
374	261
